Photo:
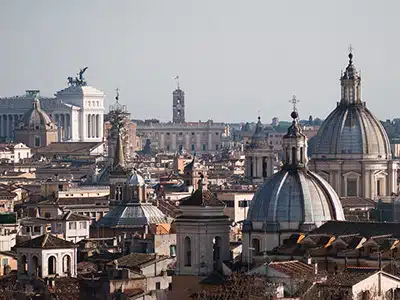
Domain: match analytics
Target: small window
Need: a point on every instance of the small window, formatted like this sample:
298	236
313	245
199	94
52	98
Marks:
72	225
5	261
180	133
193	148
158	285
216	133
192	133
204	147
82	225
37	141
47	215
167	133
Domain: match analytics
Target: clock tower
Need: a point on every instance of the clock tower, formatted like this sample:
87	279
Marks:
178	106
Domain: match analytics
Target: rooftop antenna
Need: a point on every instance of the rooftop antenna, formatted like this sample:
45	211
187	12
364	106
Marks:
177	82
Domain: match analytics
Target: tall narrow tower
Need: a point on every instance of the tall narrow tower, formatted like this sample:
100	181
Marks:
178	104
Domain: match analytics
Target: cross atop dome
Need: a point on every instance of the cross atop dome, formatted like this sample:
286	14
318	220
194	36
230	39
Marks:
294	101
350	54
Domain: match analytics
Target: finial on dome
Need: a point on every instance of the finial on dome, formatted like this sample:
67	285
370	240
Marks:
294	115
294	101
117	95
350	54
177	82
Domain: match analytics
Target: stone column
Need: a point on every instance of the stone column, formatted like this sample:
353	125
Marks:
97	125
89	129
93	126
210	145
255	171
162	141
173	142
187	146
260	167
198	143
372	184
367	188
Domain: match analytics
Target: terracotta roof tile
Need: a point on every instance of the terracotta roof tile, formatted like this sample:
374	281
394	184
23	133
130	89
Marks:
47	241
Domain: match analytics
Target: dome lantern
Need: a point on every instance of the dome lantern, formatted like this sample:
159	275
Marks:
294	143
350	82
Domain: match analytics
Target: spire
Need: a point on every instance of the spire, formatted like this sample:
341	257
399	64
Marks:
119	160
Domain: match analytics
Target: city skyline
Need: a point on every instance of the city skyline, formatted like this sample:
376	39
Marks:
232	58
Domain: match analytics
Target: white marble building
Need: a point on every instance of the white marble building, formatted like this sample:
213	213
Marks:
78	111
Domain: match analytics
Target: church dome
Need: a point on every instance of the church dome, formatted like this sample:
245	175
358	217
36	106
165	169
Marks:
135	179
351	129
133	215
36	118
298	197
294	198
259	138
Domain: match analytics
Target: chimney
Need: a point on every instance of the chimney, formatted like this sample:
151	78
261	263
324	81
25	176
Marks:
315	268
309	260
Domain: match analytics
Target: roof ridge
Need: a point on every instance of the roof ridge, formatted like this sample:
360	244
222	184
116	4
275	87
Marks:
45	239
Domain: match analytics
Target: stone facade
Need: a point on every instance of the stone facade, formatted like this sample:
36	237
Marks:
78	112
194	137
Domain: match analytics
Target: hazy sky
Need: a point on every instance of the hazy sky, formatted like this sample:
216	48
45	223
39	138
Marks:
233	57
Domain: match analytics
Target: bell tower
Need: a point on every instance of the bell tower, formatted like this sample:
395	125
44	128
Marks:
178	104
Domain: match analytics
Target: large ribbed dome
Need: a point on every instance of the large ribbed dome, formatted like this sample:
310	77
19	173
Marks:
294	198
297	196
351	131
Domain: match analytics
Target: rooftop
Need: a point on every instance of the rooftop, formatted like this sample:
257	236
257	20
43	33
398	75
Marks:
47	241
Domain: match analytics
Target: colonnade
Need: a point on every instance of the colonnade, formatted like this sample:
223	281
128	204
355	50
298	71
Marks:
63	122
8	124
93	125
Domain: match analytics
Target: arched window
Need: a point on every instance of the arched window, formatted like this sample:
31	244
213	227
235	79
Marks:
66	264
52	265
118	193
35	266
188	252
24	264
294	158
255	245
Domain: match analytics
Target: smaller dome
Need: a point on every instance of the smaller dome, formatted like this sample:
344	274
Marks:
133	215
135	179
36	118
